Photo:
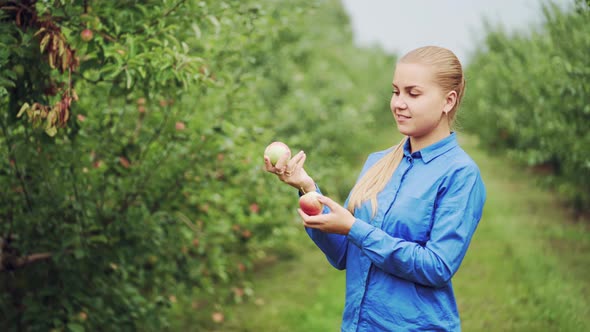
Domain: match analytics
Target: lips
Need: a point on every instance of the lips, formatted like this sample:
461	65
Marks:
402	117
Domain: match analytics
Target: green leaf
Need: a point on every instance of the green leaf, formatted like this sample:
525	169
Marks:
79	253
98	239
129	78
6	83
75	327
51	131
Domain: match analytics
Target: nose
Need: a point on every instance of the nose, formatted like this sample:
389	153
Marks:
397	102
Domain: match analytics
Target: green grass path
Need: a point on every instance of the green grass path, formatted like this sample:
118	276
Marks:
527	269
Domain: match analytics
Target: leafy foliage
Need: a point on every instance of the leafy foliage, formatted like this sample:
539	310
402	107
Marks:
148	184
532	93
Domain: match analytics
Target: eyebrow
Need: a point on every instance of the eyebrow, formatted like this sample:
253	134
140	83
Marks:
409	87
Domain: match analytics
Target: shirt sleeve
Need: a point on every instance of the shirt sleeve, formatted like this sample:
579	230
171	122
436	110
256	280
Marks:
334	246
457	213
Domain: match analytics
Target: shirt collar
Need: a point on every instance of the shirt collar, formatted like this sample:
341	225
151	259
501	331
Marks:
434	150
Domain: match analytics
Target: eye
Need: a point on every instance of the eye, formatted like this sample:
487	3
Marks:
395	92
414	93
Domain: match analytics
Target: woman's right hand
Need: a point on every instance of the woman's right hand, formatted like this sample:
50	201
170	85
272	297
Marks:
290	171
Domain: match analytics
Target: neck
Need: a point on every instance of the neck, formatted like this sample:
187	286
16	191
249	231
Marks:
418	143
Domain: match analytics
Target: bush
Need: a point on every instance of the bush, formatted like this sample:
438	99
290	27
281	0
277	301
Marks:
131	160
532	93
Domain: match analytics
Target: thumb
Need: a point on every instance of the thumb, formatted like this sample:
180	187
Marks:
328	202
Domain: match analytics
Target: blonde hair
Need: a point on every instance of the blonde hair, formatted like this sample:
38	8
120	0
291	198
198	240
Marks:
448	74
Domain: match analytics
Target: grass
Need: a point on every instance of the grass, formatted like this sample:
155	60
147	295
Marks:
528	264
303	294
526	270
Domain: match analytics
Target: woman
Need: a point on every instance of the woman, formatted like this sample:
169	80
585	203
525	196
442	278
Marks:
408	221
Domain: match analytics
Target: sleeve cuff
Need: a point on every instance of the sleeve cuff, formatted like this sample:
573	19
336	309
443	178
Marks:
359	231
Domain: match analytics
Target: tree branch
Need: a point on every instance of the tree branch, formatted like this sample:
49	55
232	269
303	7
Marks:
173	8
9	262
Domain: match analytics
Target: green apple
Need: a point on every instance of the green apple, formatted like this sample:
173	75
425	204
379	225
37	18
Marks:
275	150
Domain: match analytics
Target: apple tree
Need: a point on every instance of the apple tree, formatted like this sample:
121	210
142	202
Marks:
130	149
114	168
532	93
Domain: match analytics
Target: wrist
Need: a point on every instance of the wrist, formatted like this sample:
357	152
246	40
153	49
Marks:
351	222
308	186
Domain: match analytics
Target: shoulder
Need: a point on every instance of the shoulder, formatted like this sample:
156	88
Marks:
373	158
461	172
457	160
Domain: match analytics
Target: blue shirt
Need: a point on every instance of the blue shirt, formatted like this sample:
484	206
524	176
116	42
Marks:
399	263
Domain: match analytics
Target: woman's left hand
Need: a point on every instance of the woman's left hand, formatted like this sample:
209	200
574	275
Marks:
338	221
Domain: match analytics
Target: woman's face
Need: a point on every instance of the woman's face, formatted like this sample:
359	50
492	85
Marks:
418	103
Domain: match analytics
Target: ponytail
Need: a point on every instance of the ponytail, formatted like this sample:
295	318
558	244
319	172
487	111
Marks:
375	179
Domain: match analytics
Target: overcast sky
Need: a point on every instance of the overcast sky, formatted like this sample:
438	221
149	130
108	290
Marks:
402	25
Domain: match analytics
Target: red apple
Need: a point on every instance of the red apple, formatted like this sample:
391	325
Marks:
217	317
310	204
276	150
86	35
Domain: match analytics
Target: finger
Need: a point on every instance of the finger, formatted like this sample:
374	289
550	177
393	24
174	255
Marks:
295	161
302	214
282	162
301	161
308	220
268	165
316	226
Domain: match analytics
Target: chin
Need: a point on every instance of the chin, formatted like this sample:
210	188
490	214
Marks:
404	130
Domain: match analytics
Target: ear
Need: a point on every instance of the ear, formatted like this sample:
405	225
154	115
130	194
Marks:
450	101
